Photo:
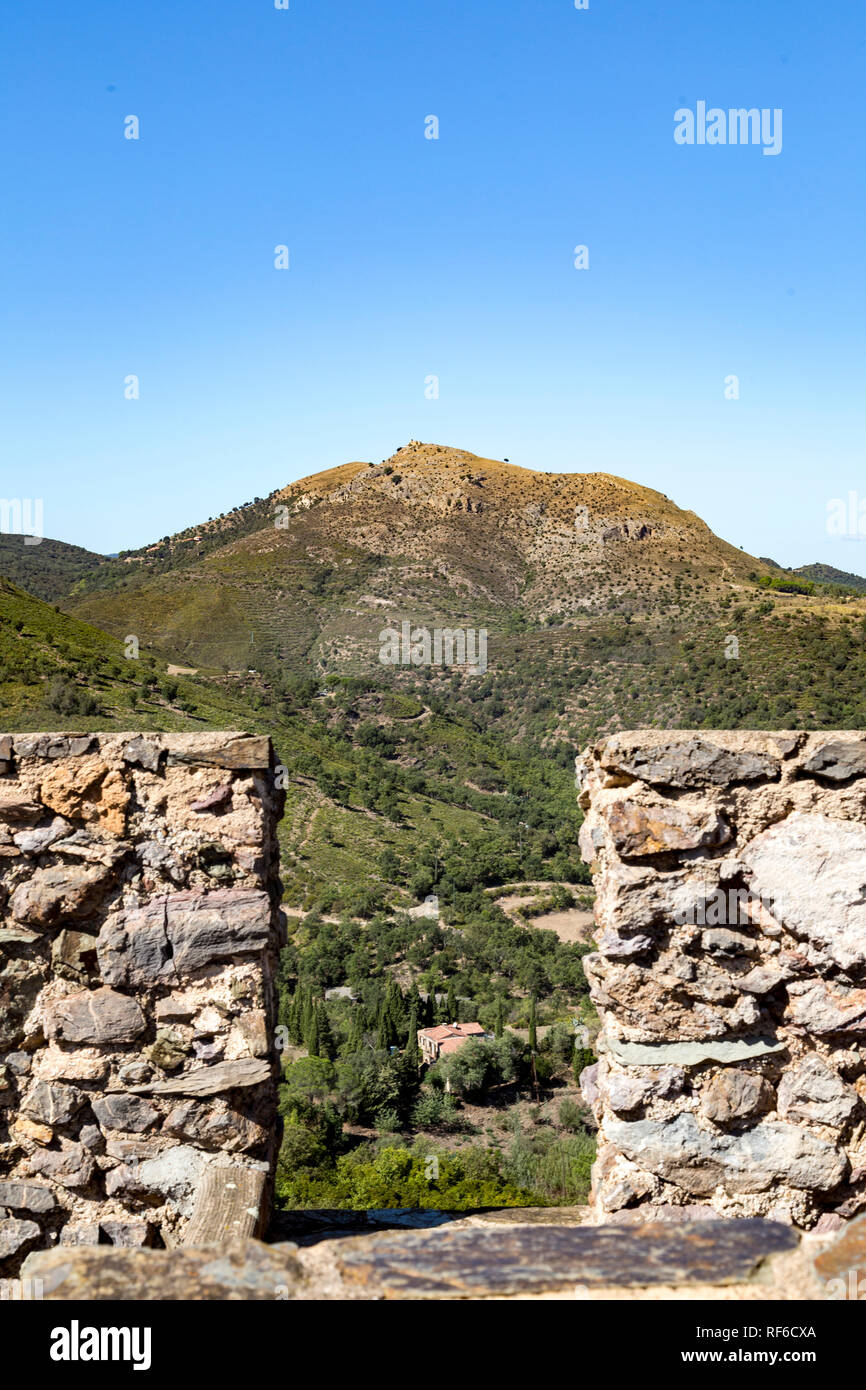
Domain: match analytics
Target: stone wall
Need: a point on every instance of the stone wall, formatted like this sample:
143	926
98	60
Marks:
139	930
731	972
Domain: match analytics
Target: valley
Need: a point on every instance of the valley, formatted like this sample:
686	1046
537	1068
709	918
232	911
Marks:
605	607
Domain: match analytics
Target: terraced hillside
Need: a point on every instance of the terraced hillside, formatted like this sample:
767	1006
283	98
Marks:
378	786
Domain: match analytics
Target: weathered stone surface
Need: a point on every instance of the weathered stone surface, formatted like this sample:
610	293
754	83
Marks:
37	841
70	1167
28	1132
52	1103
134	1073
215	800
762	980
133	947
472	1263
16	803
810	1090
49	894
735	1095
169	1051
118	1110
18	1062
156	855
52	1064
632	898
142	752
14	1234
88	790
78	1233
626	1092
95	1016
229	1204
589	1085
719	941
131	1235
52	745
699	1161
612	944
695	762
244	751
176	935
73	955
638	831
253	1026
670	996
838	760
249	1271
213	1127
506	1216
93	848
811	868
846	1260
20	983
17	936
210	1081
92	1138
26	1196
823	1008
172	1175
691	1054
695	1211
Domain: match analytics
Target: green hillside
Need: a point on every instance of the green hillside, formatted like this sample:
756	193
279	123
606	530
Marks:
51	569
826	574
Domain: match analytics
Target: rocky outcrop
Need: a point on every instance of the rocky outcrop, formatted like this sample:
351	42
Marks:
730	975
139	929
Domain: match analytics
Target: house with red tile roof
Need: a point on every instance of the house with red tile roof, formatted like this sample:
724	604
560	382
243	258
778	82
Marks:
445	1038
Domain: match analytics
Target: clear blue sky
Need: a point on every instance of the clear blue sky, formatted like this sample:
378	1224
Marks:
413	257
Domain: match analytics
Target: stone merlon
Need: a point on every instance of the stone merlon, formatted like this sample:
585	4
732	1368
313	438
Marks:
730	870
140	926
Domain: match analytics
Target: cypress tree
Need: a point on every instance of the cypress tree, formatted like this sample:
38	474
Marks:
294	1023
306	1012
284	1006
415	1002
413	1054
452	1006
395	1012
323	1029
355	1040
312	1036
500	1017
383	1031
583	1057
